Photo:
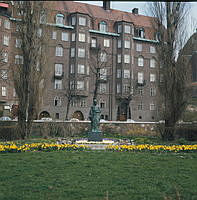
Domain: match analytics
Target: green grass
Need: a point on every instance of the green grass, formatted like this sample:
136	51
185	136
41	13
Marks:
91	175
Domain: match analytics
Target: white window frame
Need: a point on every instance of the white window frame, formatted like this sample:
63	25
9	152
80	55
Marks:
127	73
59	19
152	63
7	24
119	73
93	42
119	28
138	47
59	51
127	29
73	37
140	77
73	21
152	49
152	91
140	61
3	91
103	57
82	21
119	43
127	44
103	87
6	40
58	84
59	101
106	43
126	58
119	58
152	106
72	52
126	88
58	69
82	37
4	74
152	77
118	88
18	43
54	35
18	59
5	57
72	70
103	73
103	26
80	85
65	36
81	69
81	53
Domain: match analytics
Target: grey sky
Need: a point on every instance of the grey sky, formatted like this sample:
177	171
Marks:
129	5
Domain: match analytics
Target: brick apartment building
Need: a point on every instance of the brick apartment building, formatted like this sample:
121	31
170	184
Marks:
128	88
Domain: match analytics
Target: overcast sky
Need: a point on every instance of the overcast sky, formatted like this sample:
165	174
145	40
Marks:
129	5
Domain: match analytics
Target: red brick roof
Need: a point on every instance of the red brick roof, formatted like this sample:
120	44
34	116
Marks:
99	12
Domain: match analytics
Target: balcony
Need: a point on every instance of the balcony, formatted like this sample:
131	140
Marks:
58	75
140	84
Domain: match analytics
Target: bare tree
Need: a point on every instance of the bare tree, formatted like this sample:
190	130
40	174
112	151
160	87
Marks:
168	23
30	65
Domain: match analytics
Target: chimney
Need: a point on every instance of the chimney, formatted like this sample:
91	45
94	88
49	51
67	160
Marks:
106	5
135	11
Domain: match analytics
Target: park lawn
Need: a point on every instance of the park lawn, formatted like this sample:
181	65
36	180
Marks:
97	175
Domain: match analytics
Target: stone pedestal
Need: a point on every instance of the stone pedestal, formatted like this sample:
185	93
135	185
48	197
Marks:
95	136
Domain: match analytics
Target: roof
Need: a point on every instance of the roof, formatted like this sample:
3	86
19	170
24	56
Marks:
98	12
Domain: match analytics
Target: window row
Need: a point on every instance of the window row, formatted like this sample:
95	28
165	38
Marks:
139	48
4	91
140	77
152	106
81	69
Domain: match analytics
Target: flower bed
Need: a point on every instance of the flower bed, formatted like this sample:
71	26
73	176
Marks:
15	148
153	148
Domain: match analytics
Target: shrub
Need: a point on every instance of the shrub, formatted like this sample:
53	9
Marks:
8	133
187	132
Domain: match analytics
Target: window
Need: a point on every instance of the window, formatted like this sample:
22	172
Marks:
103	87
106	42
3	91
73	37
103	74
58	84
127	29
17	27
6	40
152	92
103	26
72	52
57	115
161	78
39	32
140	91
118	73
152	49
103	57
14	92
118	88
43	17
82	37
57	101
102	104
140	106
93	42
72	71
4	74
127	44
54	35
138	47
81	53
73	21
82	21
152	77
59	19
119	58
58	69
6	24
72	85
18	59
81	69
140	62
82	103
119	28
59	51
152	63
126	73
119	43
5	57
80	85
152	106
126	58
18	43
126	88
140	76
141	33
64	36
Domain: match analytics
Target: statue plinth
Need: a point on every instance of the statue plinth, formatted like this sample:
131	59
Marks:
94	134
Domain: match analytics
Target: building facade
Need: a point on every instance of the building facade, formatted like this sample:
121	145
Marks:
127	44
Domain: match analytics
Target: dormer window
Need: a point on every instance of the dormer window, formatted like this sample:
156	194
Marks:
59	19
103	26
140	32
